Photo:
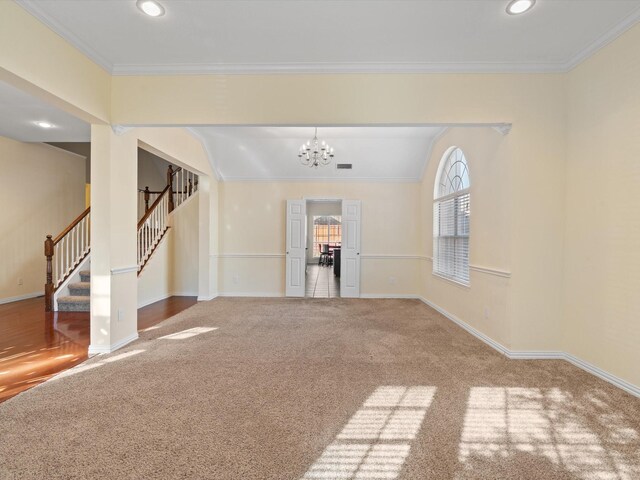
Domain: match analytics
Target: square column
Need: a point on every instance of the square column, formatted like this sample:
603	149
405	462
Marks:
114	283
207	238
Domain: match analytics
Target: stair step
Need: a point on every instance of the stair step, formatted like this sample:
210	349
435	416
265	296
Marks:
80	289
85	275
74	303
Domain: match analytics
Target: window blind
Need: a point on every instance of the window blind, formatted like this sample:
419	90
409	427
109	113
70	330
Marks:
451	237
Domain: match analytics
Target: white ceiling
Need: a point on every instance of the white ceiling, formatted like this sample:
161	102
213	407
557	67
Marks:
336	36
270	153
19	111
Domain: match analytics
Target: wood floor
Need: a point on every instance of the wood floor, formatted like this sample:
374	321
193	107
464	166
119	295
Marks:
35	345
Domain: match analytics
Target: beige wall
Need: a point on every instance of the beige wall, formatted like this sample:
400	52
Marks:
602	233
39	61
42	192
185	260
252	234
484	303
173	269
337	98
155	281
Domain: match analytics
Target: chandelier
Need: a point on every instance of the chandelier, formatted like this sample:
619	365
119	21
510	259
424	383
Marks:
314	152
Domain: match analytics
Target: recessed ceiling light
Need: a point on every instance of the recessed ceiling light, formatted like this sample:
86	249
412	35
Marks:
516	7
44	124
150	7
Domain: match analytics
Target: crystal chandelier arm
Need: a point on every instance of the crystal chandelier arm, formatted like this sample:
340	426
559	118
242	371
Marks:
314	153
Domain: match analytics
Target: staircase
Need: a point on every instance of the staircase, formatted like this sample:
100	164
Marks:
70	250
79	295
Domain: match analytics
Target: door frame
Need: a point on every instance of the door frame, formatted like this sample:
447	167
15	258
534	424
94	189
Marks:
321	199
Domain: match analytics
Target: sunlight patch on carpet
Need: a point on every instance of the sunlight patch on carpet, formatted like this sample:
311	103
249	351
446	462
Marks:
503	422
83	368
374	443
191	332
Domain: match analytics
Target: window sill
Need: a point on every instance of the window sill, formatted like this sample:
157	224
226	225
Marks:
451	280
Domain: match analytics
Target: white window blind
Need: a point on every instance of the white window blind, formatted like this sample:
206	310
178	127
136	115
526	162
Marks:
451	212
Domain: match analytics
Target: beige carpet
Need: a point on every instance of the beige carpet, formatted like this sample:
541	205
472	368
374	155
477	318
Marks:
318	389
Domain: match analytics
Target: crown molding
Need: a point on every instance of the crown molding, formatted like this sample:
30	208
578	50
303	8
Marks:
603	40
32	7
333	68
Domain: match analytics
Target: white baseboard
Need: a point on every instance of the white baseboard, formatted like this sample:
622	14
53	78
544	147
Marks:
387	295
598	372
184	294
153	300
207	298
535	355
98	349
164	297
538	355
251	294
26	296
476	333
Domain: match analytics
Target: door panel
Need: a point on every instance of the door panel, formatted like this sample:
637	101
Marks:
350	267
295	248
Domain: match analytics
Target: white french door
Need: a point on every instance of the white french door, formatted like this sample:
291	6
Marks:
296	255
350	265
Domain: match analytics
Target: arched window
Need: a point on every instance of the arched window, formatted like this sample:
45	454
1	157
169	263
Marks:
451	217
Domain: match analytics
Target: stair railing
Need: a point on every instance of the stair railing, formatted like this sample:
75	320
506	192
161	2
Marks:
186	184
152	227
146	198
183	184
64	253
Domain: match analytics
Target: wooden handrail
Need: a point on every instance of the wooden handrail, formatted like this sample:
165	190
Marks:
71	225
79	250
153	205
141	190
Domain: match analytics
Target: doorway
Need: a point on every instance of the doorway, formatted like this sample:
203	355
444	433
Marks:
324	240
323	248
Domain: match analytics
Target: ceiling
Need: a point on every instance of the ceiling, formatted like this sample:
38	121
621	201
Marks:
19	111
270	153
237	36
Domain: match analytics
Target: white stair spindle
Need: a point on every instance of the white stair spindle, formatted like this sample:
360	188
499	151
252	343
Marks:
182	185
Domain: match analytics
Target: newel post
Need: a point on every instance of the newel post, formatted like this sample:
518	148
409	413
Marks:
147	196
170	184
48	287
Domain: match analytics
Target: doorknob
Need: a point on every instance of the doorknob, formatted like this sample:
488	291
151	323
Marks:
287	253
358	253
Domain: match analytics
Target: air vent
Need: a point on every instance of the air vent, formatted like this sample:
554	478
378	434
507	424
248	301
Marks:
343	166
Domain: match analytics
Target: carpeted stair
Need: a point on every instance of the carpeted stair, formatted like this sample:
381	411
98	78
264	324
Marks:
78	299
